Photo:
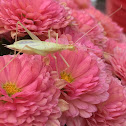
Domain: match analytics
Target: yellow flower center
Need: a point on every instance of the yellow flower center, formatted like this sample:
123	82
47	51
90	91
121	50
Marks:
66	76
11	88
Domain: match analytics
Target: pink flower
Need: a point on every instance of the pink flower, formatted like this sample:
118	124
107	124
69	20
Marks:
111	29
85	81
88	25
113	111
28	95
38	16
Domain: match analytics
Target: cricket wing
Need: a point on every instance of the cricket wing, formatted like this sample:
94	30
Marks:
34	37
36	51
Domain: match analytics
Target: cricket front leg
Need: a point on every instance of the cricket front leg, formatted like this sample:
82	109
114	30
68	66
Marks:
56	64
64	60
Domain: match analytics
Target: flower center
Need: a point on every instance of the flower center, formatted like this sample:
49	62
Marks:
11	88
66	76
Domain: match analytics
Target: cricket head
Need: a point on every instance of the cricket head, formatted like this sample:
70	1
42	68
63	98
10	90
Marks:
14	47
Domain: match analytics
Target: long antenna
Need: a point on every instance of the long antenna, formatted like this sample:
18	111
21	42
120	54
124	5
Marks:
115	11
98	24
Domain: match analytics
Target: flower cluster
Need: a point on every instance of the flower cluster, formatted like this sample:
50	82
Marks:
80	86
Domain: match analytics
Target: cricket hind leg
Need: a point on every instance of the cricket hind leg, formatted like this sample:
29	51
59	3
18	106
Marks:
16	32
34	37
16	36
12	59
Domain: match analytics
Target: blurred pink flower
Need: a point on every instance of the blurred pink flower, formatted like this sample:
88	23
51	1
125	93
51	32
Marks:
77	4
6	36
83	3
2	30
118	61
110	45
77	121
85	81
4	33
28	95
113	111
111	29
38	16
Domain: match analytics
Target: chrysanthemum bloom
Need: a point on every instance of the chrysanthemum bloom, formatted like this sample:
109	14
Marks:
89	26
111	29
113	111
28	95
118	61
85	82
38	16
